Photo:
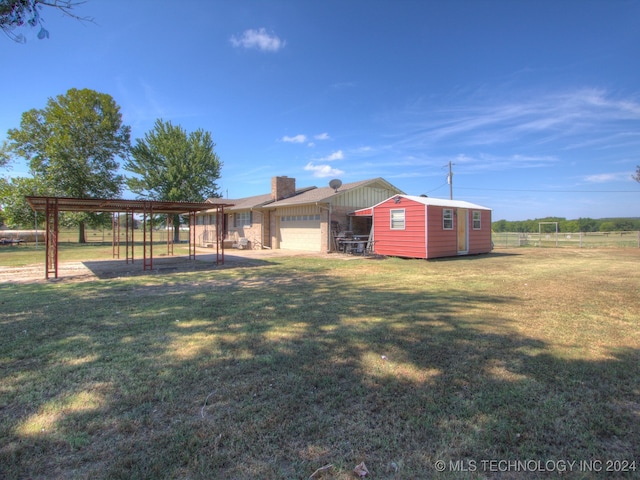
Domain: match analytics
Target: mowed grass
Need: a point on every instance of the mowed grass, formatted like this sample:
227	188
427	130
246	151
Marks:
32	254
279	368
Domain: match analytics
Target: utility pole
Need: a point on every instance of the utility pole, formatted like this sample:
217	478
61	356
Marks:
450	181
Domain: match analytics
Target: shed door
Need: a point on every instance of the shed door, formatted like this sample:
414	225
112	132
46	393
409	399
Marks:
300	232
463	230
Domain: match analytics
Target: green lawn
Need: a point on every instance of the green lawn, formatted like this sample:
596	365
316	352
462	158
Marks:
278	368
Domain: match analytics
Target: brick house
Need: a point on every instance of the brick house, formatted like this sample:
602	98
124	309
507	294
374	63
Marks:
292	218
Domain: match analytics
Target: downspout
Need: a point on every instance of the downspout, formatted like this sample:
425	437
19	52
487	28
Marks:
261	239
328	225
266	215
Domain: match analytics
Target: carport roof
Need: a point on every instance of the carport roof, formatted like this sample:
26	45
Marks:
67	204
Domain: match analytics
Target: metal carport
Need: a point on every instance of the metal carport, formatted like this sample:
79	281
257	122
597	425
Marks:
51	206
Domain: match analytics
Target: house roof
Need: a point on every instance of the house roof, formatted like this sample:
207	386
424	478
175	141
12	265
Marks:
324	194
245	203
256	201
303	196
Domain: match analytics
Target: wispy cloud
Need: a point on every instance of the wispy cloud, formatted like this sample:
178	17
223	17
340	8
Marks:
295	139
518	132
607	177
591	114
332	157
322	171
258	39
301	138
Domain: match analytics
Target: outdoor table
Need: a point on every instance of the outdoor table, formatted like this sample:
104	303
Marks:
353	245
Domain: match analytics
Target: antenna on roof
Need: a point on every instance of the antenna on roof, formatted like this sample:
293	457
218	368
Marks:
335	184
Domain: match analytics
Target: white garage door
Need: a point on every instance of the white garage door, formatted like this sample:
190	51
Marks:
300	232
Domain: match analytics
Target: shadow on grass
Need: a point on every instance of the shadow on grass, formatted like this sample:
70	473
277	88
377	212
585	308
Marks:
272	373
109	269
475	257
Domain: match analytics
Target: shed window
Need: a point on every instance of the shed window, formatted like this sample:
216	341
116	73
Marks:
242	219
397	219
447	219
476	220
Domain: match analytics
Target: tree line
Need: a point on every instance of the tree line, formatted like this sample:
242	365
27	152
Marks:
569	226
74	147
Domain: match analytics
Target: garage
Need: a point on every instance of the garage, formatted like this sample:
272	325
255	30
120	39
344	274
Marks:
300	232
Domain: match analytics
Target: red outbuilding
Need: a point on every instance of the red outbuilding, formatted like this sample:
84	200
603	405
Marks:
425	227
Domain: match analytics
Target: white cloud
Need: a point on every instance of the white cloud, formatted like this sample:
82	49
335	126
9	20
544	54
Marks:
258	39
570	118
607	177
301	138
296	139
322	171
333	157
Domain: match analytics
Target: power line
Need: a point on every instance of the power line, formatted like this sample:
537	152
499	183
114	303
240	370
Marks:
547	191
437	188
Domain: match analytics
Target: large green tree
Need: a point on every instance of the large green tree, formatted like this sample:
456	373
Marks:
173	165
73	145
16	210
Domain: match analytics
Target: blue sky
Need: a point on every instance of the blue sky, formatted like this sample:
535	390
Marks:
536	103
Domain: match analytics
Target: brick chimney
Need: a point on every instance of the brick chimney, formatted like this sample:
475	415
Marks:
282	187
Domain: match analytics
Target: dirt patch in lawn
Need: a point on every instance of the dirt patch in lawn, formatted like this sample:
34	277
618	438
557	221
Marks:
106	268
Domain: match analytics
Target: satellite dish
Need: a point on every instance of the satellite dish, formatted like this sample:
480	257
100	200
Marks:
335	184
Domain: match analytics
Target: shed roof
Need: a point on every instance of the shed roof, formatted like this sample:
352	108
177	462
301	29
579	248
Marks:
443	202
432	201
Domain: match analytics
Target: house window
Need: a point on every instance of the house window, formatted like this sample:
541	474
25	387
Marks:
213	219
397	219
299	218
242	219
476	220
447	219
199	220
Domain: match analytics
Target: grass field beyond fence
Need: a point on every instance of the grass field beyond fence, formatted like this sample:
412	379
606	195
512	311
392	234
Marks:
626	239
571	240
298	367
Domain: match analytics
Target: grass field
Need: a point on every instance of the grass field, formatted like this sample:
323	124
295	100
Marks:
286	365
567	240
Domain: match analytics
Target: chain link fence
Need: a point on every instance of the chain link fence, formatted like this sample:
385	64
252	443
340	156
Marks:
560	239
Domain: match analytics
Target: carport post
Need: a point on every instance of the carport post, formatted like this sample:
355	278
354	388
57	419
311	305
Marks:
147	261
115	239
192	235
169	230
129	230
51	237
